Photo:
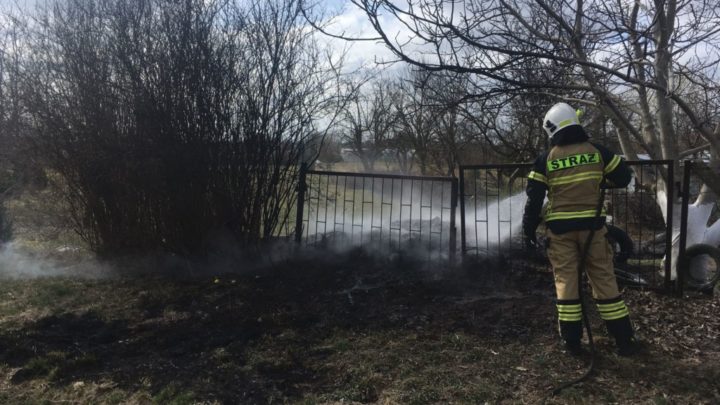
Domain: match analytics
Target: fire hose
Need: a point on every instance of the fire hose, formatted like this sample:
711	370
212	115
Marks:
583	299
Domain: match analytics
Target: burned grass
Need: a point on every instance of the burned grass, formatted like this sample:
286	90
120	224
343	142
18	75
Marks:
350	329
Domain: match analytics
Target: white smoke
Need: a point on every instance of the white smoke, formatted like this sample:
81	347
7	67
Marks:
351	212
19	263
380	213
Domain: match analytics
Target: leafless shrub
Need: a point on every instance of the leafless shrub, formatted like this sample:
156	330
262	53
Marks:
174	122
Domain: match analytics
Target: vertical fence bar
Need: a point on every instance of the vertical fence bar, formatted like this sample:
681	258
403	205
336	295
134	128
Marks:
639	218
461	191
487	213
511	180
475	199
498	178
400	222
680	279
453	213
362	212
426	224
337	194
352	215
302	187
315	183
670	192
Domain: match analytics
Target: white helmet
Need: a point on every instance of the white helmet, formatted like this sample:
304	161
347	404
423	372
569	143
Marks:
560	116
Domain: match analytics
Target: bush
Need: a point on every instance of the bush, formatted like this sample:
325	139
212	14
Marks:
174	122
5	224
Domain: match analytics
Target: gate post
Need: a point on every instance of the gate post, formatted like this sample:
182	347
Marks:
302	187
461	196
453	214
669	220
685	199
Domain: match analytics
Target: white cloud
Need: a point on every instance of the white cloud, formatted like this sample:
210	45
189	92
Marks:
352	22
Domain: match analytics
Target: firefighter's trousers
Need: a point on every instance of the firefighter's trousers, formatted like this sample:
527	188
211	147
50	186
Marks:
564	252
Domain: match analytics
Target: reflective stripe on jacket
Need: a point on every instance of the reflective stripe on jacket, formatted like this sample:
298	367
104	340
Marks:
574	174
571	174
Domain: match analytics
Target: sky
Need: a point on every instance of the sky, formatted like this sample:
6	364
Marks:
5	3
347	18
352	22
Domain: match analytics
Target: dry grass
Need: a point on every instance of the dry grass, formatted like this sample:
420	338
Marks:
290	334
327	330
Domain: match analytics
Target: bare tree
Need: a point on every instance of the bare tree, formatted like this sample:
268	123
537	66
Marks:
454	131
417	118
329	152
436	129
632	60
370	121
620	54
511	120
16	157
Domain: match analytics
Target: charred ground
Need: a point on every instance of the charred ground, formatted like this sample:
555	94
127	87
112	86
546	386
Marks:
346	328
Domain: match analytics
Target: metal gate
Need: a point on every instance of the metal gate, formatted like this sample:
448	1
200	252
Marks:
492	200
378	211
419	213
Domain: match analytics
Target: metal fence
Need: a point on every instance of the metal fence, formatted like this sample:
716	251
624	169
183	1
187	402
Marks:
492	200
638	210
419	214
379	211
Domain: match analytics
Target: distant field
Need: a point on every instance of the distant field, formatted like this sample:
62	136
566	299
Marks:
379	167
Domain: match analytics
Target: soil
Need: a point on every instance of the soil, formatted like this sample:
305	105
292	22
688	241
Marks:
347	328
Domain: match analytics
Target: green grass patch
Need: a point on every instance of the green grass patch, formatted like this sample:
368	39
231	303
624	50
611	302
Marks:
116	397
56	365
50	293
46	366
172	394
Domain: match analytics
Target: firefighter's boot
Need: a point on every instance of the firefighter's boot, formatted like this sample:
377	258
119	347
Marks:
617	319
570	324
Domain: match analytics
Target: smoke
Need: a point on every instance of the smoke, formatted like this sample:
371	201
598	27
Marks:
404	215
403	219
19	263
379	214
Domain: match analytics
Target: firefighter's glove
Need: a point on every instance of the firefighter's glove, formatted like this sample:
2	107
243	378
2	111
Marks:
530	242
607	184
529	226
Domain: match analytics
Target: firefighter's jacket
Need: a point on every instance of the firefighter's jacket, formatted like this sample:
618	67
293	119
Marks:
571	173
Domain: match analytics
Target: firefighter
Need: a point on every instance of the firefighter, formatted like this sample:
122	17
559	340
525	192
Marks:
572	173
